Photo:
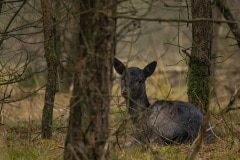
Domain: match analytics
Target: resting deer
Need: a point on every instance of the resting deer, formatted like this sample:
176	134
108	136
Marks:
162	122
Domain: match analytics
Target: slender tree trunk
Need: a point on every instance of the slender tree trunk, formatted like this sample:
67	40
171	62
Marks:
200	60
88	133
52	63
215	49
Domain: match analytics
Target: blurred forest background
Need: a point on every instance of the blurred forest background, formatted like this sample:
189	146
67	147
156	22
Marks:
23	70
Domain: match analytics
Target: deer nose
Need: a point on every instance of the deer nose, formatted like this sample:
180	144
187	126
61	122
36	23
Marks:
124	92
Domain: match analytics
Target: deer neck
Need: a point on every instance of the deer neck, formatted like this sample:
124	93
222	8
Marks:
137	106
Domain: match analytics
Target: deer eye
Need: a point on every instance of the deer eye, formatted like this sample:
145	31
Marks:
139	81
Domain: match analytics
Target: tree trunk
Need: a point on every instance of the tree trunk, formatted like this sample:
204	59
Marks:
200	59
87	136
52	63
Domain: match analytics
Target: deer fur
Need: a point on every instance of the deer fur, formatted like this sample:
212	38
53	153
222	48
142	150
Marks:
163	121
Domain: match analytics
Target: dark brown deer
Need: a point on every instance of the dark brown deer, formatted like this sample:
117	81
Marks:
162	122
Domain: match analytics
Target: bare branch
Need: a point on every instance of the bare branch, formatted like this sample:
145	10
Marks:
233	98
11	21
176	19
27	96
229	17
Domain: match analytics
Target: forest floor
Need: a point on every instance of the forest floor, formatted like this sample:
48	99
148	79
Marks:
20	135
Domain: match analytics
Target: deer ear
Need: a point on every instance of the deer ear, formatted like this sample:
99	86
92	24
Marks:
119	66
149	69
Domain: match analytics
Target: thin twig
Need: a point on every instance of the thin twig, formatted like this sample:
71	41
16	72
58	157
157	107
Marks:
176	19
224	9
197	144
11	21
233	98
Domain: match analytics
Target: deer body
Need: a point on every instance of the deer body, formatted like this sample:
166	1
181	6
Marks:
162	122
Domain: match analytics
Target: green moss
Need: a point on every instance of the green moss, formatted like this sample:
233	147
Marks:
198	82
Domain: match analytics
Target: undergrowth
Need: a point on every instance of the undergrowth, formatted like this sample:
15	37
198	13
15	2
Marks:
22	141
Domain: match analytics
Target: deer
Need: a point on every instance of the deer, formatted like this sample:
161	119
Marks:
164	121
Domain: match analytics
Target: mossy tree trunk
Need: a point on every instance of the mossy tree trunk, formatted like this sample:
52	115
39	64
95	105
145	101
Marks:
87	136
200	59
52	64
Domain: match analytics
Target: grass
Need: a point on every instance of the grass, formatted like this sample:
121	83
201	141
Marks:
217	151
22	141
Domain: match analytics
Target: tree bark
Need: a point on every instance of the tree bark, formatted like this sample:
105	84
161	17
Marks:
200	59
87	136
52	64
